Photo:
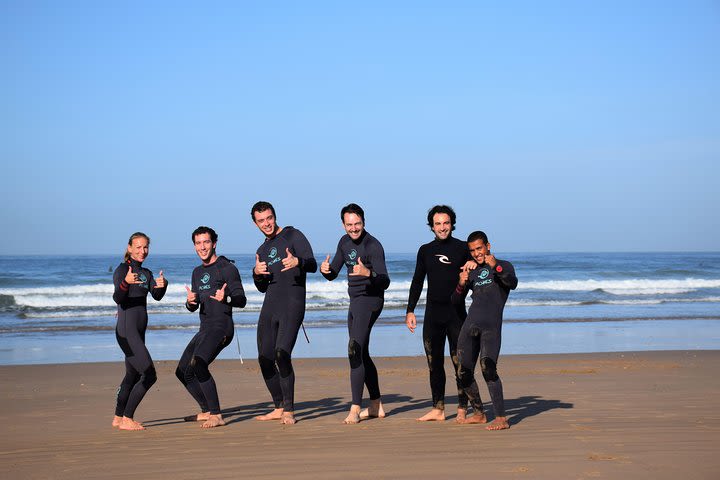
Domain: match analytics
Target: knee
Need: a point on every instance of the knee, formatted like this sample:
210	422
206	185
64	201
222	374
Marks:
199	368
465	376
180	374
131	378
267	367
149	377
354	353
489	369
284	362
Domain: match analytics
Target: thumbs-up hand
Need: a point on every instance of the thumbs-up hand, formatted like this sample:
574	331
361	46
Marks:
220	293
132	278
360	270
191	296
325	265
160	282
464	274
291	261
260	267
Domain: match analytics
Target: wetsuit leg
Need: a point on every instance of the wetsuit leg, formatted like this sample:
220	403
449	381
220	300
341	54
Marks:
434	341
468	349
130	334
363	313
289	326
206	350
266	334
187	377
123	393
489	352
453	332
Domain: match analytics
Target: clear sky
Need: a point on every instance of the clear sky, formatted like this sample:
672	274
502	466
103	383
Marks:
553	126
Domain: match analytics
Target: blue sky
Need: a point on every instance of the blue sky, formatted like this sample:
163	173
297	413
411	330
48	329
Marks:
553	126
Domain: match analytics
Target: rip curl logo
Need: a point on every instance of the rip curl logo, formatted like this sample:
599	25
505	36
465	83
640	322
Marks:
205	278
484	273
443	259
273	252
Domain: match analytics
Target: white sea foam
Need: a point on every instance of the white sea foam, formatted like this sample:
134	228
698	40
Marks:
637	286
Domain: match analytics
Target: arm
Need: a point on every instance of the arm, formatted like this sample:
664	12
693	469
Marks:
304	253
157	291
335	265
234	290
260	274
505	274
417	283
191	303
462	288
120	294
379	277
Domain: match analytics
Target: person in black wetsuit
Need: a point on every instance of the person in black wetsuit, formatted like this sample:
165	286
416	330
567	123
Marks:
441	260
282	263
132	284
216	288
368	279
480	335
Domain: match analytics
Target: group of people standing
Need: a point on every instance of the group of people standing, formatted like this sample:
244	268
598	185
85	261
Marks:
282	262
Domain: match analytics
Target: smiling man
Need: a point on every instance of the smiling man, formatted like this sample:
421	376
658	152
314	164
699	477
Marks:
282	263
216	288
441	260
364	257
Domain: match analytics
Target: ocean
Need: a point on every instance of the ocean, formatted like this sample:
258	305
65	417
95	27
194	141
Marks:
59	309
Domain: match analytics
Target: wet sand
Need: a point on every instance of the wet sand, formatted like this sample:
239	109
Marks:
607	415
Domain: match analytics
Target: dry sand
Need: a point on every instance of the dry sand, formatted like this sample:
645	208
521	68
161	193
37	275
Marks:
618	415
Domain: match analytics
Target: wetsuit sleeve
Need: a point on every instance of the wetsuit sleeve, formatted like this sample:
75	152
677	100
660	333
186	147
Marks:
157	293
261	281
234	288
458	296
193	288
335	265
417	283
379	277
506	275
304	253
120	294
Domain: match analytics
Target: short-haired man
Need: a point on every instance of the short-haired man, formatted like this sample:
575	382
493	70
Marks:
480	335
282	263
364	257
441	260
216	288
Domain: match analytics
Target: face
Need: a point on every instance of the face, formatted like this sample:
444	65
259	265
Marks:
204	247
441	226
478	250
265	221
354	226
138	249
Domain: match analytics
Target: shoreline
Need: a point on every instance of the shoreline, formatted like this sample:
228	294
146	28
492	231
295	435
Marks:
598	415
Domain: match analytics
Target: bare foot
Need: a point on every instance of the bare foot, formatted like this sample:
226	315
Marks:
276	414
200	417
500	423
354	415
130	424
476	417
375	410
434	415
461	415
288	418
116	421
214	421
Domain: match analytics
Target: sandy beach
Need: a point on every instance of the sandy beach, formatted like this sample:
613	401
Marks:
608	415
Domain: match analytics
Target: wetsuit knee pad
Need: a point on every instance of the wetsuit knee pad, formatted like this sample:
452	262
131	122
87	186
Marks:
149	377
489	369
284	362
267	367
354	353
180	374
200	369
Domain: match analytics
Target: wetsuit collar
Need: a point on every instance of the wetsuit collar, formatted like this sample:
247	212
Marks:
360	238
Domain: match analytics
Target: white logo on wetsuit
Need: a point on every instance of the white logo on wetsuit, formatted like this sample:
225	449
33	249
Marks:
443	259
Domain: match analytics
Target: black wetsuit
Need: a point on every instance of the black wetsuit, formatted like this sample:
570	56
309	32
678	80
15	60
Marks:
132	320
216	329
367	296
481	333
441	261
282	312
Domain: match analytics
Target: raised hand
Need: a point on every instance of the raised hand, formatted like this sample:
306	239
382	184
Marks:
260	267
132	278
490	260
411	321
220	293
360	270
290	261
191	296
325	265
464	275
160	282
470	265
